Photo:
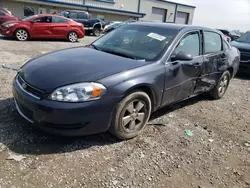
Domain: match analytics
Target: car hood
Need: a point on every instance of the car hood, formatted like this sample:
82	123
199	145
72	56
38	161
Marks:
241	45
11	22
74	65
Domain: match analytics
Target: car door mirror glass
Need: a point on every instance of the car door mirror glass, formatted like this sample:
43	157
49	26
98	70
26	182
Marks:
182	56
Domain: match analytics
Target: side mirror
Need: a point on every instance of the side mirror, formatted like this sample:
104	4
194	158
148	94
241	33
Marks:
182	56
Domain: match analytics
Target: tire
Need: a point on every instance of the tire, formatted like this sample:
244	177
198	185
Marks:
73	37
131	116
96	32
21	34
220	89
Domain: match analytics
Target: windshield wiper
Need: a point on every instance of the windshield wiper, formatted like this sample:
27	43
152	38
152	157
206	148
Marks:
95	47
120	54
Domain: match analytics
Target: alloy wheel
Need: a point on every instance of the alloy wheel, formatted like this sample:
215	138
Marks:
223	84
22	35
73	37
134	116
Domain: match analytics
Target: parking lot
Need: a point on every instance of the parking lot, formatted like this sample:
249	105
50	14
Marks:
216	154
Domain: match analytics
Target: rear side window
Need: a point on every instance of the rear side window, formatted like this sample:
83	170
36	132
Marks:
72	15
2	14
82	15
46	19
189	44
213	42
59	20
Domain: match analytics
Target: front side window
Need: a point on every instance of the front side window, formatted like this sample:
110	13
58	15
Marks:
244	38
137	42
46	19
213	42
59	20
28	11
82	15
189	44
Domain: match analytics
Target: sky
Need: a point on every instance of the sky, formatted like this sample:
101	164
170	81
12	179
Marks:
223	14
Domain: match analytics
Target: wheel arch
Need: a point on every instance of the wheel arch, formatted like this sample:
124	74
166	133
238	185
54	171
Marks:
149	90
98	24
231	71
23	29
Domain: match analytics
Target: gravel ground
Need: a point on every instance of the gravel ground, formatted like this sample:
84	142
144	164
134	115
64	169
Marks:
216	155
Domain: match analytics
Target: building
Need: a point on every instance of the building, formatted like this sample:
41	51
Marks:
151	10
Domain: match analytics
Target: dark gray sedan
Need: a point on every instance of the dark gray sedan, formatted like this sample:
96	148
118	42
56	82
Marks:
116	82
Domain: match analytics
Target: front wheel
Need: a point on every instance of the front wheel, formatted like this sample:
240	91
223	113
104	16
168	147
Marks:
73	37
221	87
131	115
21	35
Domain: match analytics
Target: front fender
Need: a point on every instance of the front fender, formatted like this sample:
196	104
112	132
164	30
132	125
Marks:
149	76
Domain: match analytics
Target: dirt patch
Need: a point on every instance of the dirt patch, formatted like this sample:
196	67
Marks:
216	155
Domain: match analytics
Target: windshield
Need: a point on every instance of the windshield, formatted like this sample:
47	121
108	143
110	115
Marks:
137	42
29	17
244	38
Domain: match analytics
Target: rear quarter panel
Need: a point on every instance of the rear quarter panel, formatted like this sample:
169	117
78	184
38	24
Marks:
234	59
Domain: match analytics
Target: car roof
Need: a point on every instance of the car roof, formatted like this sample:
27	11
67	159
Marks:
175	26
74	11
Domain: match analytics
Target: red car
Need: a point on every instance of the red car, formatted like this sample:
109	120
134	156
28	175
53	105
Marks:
43	26
5	16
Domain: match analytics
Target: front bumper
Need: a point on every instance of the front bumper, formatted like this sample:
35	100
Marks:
6	31
62	118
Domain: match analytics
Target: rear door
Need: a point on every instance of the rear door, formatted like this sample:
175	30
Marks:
42	27
215	60
181	76
60	27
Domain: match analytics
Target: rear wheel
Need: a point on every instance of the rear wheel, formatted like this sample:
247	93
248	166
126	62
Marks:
131	115
21	35
221	87
96	31
73	37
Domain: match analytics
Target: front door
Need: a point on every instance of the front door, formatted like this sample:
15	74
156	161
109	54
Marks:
181	76
42	27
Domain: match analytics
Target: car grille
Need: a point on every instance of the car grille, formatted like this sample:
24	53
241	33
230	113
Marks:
37	93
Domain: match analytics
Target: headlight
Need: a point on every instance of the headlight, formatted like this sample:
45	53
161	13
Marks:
10	25
79	92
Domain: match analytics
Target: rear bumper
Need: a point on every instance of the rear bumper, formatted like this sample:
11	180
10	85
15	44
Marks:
66	119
